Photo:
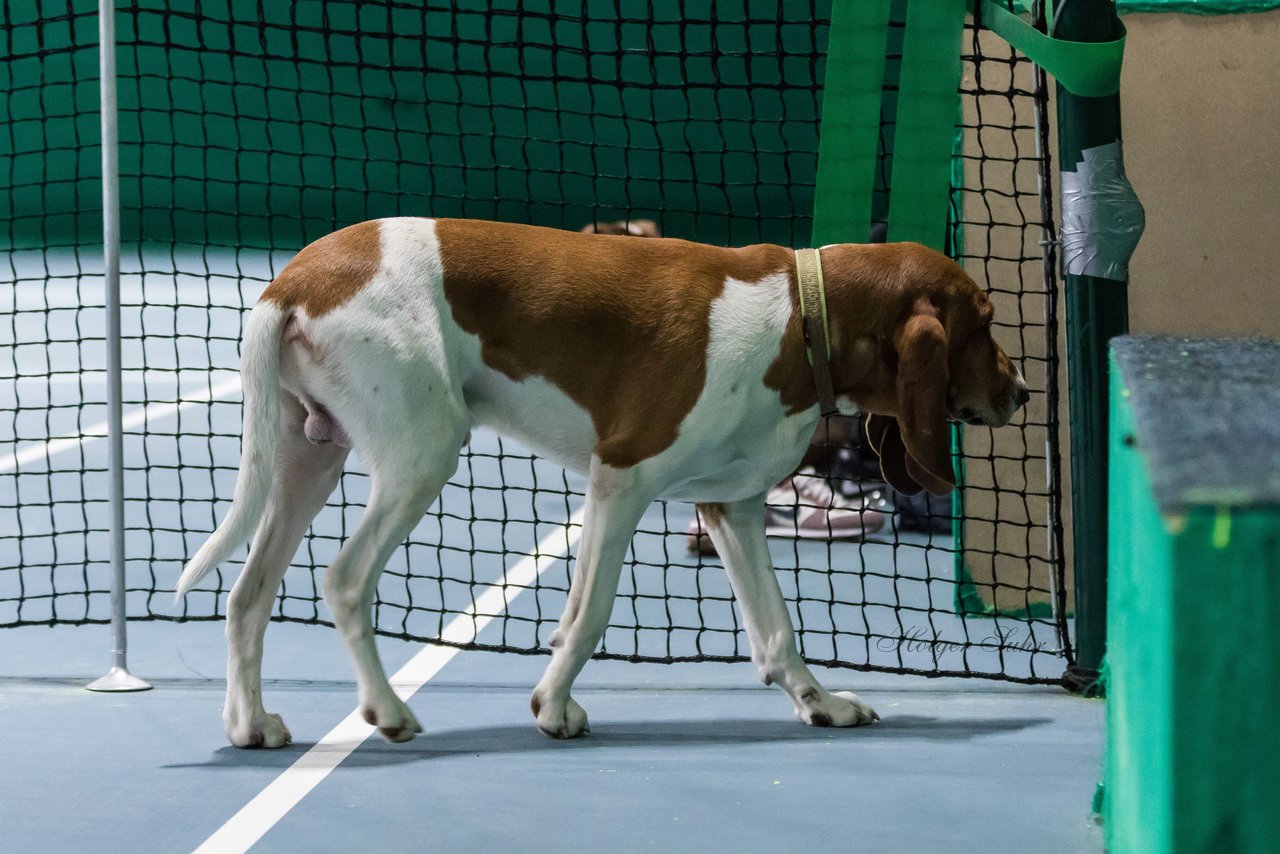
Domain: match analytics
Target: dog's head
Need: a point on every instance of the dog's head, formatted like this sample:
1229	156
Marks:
937	362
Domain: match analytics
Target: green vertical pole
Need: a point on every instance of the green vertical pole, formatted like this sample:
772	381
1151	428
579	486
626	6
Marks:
1101	222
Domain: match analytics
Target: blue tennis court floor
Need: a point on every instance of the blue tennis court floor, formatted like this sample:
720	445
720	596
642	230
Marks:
680	758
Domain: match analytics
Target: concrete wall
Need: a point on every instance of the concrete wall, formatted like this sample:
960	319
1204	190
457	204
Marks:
1006	483
1202	134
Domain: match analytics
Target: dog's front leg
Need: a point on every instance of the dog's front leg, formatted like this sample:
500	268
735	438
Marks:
615	503
737	530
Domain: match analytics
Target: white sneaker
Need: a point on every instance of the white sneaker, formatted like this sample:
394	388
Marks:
805	506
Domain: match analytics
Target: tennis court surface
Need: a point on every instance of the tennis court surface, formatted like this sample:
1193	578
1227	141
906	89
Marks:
687	757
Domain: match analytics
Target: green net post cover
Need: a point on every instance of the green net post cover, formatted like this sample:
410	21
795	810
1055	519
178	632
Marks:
1194	580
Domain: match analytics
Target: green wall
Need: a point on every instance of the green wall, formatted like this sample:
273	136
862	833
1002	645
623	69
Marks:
50	192
269	126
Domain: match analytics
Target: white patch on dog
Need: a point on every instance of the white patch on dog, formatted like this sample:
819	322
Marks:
752	440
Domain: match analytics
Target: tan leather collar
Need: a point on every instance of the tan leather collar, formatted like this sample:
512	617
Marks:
813	320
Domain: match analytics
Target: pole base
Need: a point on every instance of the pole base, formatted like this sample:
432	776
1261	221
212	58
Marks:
1084	681
119	679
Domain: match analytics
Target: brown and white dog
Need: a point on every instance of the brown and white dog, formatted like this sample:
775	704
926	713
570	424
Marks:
659	368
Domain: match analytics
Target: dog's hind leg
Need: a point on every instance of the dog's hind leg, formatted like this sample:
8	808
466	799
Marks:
407	477
303	476
614	507
738	534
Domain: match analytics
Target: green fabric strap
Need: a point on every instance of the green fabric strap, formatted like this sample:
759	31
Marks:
850	121
928	105
1197	7
1088	69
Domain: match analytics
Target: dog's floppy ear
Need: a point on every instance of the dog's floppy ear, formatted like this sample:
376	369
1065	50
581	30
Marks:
923	381
886	441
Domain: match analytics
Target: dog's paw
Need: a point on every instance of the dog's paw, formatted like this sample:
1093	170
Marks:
559	719
394	720
842	709
260	730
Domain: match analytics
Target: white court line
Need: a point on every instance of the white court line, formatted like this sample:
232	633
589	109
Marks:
35	451
270	805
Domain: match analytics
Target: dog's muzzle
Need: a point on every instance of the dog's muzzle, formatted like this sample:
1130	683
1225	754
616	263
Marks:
1021	394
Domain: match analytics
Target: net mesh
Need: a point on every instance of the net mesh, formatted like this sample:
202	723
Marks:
248	130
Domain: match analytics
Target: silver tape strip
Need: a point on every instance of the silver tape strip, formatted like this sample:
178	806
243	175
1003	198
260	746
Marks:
1102	218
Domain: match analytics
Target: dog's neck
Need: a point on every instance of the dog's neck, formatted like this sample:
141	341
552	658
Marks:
794	373
861	322
814	324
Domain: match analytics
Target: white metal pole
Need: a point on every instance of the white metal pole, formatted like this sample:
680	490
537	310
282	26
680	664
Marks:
118	677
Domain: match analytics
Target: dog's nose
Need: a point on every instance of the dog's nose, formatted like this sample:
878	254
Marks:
1021	394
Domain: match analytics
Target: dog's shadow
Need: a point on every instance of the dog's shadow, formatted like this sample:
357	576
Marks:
525	738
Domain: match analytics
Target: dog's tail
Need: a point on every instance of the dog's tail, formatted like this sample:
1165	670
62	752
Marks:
260	379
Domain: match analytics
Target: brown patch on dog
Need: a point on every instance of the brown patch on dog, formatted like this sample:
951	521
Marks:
868	289
328	272
820	719
621	326
791	375
535	704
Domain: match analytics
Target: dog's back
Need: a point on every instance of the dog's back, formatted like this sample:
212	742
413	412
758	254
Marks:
574	343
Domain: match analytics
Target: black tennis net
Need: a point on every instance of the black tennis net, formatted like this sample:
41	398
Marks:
250	129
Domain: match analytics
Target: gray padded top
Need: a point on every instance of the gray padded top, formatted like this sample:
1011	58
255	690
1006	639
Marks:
1207	414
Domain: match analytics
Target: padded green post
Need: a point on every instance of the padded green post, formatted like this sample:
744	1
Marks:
851	95
1135	810
924	148
1097	309
1193	654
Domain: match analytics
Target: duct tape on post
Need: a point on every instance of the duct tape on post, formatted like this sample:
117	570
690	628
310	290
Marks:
1102	218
